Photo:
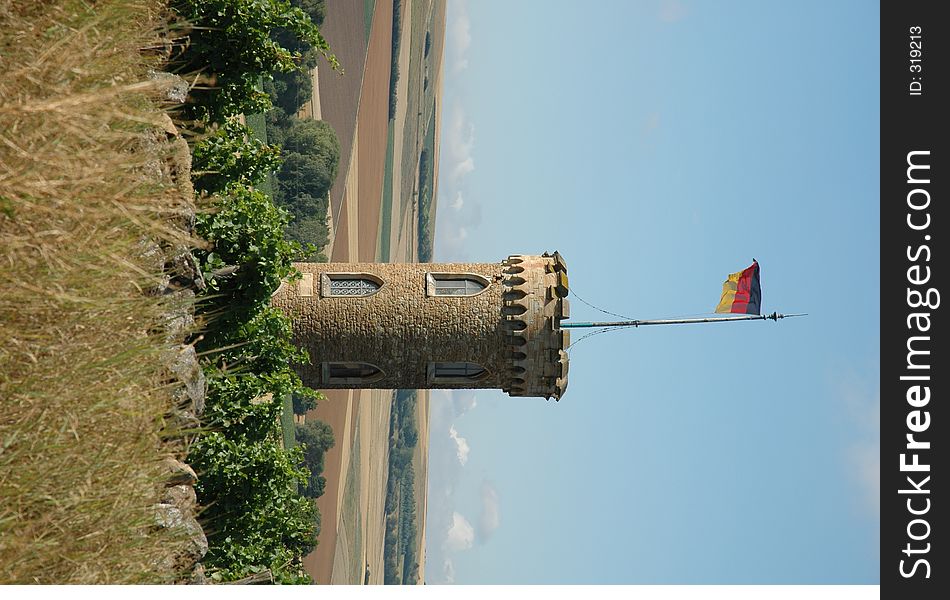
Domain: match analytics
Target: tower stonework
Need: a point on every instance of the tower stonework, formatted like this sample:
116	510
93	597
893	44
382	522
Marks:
433	326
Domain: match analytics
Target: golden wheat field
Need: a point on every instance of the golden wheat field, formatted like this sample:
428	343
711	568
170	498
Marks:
82	393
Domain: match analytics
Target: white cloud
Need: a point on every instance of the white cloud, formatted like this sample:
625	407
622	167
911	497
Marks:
459	36
457	155
463	401
448	405
489	519
445	472
459	139
461	445
451	238
463	167
460	536
448	571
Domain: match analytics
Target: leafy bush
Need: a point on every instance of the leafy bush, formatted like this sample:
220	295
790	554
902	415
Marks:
248	260
233	44
248	482
258	520
261	345
252	374
231	155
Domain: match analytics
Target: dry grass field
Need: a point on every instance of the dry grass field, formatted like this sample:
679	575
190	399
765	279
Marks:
81	384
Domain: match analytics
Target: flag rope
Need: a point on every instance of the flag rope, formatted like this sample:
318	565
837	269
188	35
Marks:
606	312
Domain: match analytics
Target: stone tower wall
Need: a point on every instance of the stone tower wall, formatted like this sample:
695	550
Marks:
510	328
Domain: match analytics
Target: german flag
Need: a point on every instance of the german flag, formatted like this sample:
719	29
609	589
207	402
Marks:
741	293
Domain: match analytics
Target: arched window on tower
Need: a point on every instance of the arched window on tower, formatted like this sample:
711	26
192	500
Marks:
455	284
456	372
349	284
351	372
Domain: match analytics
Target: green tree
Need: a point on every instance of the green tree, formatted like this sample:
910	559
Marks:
302	183
316	9
400	457
316	437
311	162
292	90
306	402
310	230
310	137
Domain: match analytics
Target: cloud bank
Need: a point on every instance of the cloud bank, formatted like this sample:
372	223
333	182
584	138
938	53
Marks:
461	445
459	35
459	140
489	519
461	534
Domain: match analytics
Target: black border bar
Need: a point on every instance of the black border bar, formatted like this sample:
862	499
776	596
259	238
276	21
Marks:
915	370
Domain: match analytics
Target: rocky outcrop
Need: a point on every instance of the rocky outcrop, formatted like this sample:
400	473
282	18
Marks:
180	279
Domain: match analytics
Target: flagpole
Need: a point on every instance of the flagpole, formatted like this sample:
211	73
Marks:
637	323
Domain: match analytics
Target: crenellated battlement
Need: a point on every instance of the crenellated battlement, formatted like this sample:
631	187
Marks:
433	326
534	302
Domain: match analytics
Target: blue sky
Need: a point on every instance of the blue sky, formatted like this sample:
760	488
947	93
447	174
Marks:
660	146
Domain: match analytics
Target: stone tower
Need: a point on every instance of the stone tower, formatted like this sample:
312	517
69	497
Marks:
424	325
